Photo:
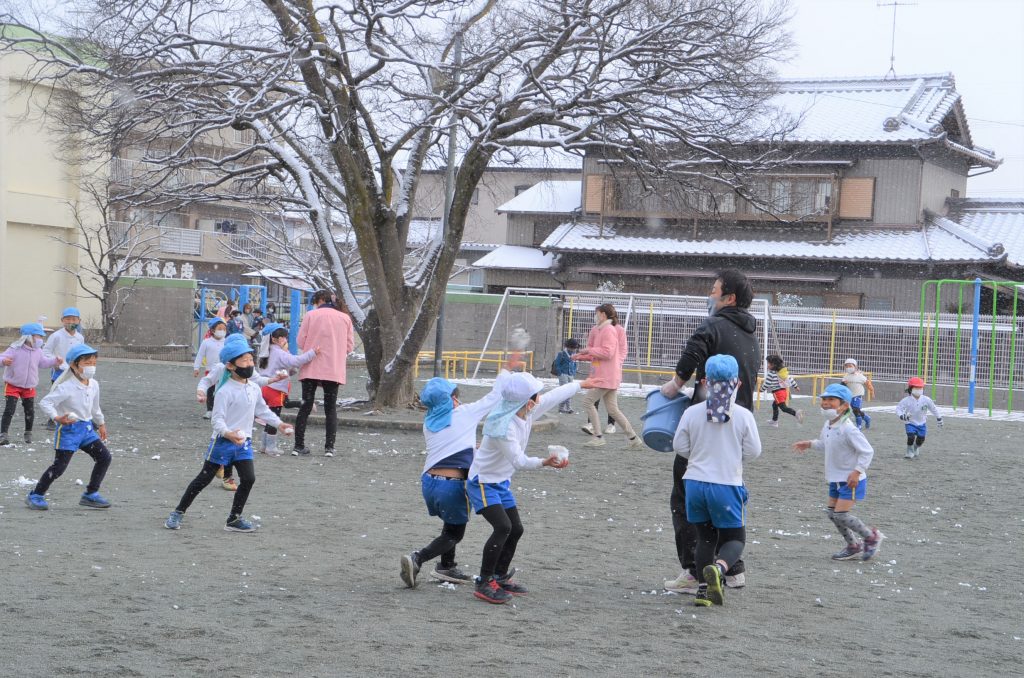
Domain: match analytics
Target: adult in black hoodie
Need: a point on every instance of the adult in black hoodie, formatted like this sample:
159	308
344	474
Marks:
730	330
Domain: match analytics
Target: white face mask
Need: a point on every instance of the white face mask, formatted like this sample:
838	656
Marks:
829	414
220	334
851	370
917	392
89	371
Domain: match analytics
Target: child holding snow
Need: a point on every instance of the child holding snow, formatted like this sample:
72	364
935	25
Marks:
449	430
74	404
238	402
502	452
858	383
207	354
276	360
847	457
717	439
22	361
913	411
778	382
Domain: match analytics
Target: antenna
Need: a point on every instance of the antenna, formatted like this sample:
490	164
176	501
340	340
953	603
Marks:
892	49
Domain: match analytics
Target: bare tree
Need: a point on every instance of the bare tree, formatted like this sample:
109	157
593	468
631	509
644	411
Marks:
381	85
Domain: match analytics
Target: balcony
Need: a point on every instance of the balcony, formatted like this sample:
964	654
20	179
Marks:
186	243
137	174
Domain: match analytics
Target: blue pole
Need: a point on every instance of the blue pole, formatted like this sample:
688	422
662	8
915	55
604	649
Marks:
293	321
973	381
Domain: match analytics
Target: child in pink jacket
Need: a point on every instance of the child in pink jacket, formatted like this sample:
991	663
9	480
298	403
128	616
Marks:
606	352
22	362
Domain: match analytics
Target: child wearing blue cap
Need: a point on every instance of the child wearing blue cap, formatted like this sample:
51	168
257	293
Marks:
21	362
208	355
716	440
274	360
60	342
74	404
847	457
449	429
238	402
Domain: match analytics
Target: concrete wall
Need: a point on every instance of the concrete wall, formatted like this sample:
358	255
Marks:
158	313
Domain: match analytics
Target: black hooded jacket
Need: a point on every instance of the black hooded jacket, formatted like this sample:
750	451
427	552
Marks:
730	331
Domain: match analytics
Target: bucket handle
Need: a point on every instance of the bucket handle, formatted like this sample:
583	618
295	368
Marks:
658	409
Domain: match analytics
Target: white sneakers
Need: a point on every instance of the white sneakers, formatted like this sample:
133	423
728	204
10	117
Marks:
595	442
736	581
610	428
684	583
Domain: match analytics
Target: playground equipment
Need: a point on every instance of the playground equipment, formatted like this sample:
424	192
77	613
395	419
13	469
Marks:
211	299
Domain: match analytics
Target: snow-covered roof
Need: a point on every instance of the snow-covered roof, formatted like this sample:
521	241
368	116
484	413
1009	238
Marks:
290	278
995	220
517	158
546	197
515	257
935	243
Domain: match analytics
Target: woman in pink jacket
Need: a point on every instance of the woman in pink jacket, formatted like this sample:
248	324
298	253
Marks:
329	329
606	352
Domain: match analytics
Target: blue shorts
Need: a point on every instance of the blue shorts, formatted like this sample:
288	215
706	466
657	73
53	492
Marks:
720	505
856	402
446	498
482	495
74	436
842	491
223	452
919	430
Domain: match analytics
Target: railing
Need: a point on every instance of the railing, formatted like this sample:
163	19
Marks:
186	241
181	241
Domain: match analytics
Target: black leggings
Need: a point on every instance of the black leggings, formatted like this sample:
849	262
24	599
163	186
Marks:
209	397
727	541
267	428
500	547
915	440
784	407
246	477
309	387
686	534
10	405
444	545
100	455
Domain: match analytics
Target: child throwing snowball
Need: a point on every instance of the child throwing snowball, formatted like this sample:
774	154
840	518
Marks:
275	360
913	412
21	362
847	457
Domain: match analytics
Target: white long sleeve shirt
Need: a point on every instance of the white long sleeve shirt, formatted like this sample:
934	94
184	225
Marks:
917	409
235	407
208	353
211	379
58	343
846	449
499	458
74	397
716	451
855	382
461	433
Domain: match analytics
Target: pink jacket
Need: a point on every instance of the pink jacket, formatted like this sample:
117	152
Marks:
331	330
606	350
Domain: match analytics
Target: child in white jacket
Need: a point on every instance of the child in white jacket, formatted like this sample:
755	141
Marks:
913	412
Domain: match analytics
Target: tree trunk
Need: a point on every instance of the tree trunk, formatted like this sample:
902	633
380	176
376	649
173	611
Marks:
109	318
394	388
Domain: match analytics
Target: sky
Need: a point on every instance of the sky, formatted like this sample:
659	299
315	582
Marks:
981	42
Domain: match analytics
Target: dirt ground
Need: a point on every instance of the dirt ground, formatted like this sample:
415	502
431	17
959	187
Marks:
316	591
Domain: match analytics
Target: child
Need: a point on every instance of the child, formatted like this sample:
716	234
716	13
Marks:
60	342
564	367
501	453
778	382
235	323
857	382
847	457
207	354
716	439
74	404
449	429
238	402
274	357
913	411
21	376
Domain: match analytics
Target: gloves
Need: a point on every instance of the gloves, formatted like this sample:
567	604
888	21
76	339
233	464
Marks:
906	417
939	422
670	389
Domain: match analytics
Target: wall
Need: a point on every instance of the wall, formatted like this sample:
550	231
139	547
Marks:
158	313
942	174
897	185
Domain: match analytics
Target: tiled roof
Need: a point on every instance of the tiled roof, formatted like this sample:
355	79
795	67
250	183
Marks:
1000	221
515	257
546	197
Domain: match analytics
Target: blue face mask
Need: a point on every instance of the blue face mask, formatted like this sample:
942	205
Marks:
712	302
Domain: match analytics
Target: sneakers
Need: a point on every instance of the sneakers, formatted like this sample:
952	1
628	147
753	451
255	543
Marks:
490	591
4	440
229	484
598	441
505	582
610	428
451	574
300	452
173	521
848	553
772	423
329	452
684	583
567	411
702	599
713	578
867	422
27	437
410	568
270	449
239	524
735	581
872	544
50	426
588	429
94	500
909	454
36	502
635	443
800	417
207	414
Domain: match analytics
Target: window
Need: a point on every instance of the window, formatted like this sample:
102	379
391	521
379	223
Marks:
953	193
522	187
475	199
856	198
782	199
878	303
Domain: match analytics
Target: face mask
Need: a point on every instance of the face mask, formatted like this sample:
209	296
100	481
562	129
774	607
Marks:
38	343
244	372
71	328
220	334
916	392
829	414
712	302
89	371
851	370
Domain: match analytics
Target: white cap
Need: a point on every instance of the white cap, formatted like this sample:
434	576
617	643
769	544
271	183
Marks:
850	361
520	386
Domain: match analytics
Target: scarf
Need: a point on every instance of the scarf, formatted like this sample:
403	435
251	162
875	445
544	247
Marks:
516	391
721	396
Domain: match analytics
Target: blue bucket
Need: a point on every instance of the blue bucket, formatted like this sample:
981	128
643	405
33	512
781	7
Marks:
662	419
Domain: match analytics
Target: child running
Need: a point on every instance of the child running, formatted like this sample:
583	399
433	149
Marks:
717	439
60	342
564	367
22	361
502	452
207	356
913	412
238	403
847	457
778	382
858	383
74	404
275	359
449	429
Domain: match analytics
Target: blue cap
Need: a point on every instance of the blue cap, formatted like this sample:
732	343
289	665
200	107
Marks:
70	311
213	322
234	349
33	330
837	391
721	367
437	396
77	351
271	328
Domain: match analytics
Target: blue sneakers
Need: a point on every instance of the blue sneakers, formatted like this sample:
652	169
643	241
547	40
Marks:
174	520
94	500
867	422
36	502
239	524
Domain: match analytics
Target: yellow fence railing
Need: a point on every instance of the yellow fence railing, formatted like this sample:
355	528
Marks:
456	362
